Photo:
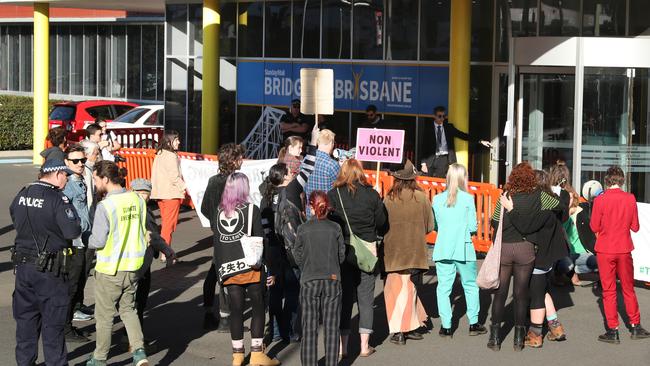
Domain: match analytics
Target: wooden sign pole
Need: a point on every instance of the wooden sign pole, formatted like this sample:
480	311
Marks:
377	178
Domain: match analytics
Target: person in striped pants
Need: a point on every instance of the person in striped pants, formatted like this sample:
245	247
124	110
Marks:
319	251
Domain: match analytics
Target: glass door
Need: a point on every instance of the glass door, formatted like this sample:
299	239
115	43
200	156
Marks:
545	117
615	126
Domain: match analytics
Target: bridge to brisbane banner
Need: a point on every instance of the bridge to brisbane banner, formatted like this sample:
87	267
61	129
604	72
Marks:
393	88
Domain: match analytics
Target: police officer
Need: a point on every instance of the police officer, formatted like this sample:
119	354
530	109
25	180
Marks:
45	222
294	123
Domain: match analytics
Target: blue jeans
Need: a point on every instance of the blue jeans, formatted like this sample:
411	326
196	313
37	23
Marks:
283	303
580	263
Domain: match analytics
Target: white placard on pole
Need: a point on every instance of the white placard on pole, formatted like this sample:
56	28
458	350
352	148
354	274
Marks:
317	91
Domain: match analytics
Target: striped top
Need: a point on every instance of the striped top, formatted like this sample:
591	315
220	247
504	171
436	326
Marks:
525	203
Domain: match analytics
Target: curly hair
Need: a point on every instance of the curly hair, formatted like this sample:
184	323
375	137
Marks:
230	156
522	179
614	176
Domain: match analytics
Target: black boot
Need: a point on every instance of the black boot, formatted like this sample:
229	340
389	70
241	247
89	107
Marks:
520	336
637	332
224	325
494	343
611	336
398	338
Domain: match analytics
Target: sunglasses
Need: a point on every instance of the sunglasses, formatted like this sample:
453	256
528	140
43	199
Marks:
77	161
440	116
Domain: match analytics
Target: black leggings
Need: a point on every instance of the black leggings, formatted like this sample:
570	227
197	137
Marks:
538	289
517	262
237	296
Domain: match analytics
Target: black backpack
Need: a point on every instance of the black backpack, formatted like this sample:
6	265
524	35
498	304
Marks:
587	237
288	217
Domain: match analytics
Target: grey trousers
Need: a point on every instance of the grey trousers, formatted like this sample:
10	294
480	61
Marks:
362	285
320	297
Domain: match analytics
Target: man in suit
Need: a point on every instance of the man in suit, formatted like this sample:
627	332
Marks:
442	152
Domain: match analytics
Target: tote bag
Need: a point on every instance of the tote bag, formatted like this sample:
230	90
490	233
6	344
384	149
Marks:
365	252
253	246
488	275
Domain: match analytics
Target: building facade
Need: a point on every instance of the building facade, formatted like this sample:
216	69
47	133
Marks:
549	80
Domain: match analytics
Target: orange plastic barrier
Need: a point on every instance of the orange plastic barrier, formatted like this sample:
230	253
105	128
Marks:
139	161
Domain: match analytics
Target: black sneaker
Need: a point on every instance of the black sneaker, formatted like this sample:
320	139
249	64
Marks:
398	339
73	335
445	333
611	336
414	336
476	329
637	332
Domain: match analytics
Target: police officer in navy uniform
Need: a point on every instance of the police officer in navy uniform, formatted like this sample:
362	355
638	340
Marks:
45	222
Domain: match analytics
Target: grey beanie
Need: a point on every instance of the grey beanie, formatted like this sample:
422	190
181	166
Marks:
141	184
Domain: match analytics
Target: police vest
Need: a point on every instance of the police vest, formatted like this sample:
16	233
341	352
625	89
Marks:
126	242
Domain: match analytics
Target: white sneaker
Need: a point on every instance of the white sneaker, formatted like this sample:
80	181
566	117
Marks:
81	316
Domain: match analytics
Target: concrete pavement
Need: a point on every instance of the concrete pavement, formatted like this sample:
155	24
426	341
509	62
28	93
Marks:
175	315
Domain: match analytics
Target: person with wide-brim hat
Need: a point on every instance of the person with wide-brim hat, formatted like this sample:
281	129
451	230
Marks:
405	253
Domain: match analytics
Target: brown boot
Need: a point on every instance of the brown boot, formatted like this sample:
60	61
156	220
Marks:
533	340
238	356
259	358
556	332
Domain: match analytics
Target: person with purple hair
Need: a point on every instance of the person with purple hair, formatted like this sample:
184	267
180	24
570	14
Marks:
235	218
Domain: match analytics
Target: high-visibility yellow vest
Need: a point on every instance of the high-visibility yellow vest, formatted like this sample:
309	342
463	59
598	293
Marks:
126	242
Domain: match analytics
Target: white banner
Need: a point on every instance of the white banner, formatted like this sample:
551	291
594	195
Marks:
196	174
641	239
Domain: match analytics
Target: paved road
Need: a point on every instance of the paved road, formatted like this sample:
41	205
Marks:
175	316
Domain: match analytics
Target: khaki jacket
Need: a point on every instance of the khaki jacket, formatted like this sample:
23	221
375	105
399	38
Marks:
410	219
166	180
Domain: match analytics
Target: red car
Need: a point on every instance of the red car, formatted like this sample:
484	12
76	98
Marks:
75	116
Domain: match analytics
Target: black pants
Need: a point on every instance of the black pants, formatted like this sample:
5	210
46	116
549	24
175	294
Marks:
76	280
142	295
40	306
237	295
440	165
538	288
320	298
516	262
209	290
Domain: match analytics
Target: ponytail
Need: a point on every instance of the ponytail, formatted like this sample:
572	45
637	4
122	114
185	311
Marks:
282	154
319	202
289	141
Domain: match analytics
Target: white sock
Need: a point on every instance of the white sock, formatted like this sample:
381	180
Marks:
238	344
223	315
256	342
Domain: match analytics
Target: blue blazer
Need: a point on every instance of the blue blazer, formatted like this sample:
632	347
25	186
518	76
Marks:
454	225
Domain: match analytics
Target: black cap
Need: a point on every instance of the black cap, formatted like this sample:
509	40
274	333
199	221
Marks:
55	165
295	101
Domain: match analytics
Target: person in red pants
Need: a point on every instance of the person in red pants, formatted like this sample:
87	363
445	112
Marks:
614	214
168	184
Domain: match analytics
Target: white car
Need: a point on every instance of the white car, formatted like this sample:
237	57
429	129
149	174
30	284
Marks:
147	119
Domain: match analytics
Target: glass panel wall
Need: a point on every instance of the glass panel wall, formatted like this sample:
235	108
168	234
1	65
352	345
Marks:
639	19
63	60
548	119
118	63
251	29
90	60
368	29
228	29
26	59
523	14
4	59
482	25
134	57
560	18
615	127
401	28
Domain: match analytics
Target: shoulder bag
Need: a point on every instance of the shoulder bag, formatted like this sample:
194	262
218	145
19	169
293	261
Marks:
253	246
488	275
364	251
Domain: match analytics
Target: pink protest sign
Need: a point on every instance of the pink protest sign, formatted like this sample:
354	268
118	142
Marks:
385	146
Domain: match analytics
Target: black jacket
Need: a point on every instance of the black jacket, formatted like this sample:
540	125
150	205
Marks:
212	197
364	208
431	144
586	235
156	245
319	250
43	216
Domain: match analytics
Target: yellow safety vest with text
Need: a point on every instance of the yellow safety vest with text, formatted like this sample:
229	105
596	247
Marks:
126	241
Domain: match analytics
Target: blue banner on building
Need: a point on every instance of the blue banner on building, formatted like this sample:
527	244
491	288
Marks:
392	88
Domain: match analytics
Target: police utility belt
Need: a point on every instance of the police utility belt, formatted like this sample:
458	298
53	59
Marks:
56	262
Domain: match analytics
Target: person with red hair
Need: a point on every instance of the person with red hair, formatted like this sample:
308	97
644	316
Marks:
319	251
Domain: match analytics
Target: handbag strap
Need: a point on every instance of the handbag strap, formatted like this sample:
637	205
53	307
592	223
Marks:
499	235
344	214
250	219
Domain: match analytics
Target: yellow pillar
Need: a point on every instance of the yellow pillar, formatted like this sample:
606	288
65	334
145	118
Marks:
210	96
41	77
459	67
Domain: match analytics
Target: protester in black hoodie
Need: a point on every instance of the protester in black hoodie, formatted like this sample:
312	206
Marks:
56	137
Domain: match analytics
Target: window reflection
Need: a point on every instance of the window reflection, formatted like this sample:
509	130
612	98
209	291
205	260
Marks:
306	29
523	14
639	19
278	29
336	29
250	29
368	29
401	29
603	18
434	30
482	11
228	30
560	18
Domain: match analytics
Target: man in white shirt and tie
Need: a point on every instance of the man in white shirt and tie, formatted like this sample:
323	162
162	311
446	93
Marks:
443	152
